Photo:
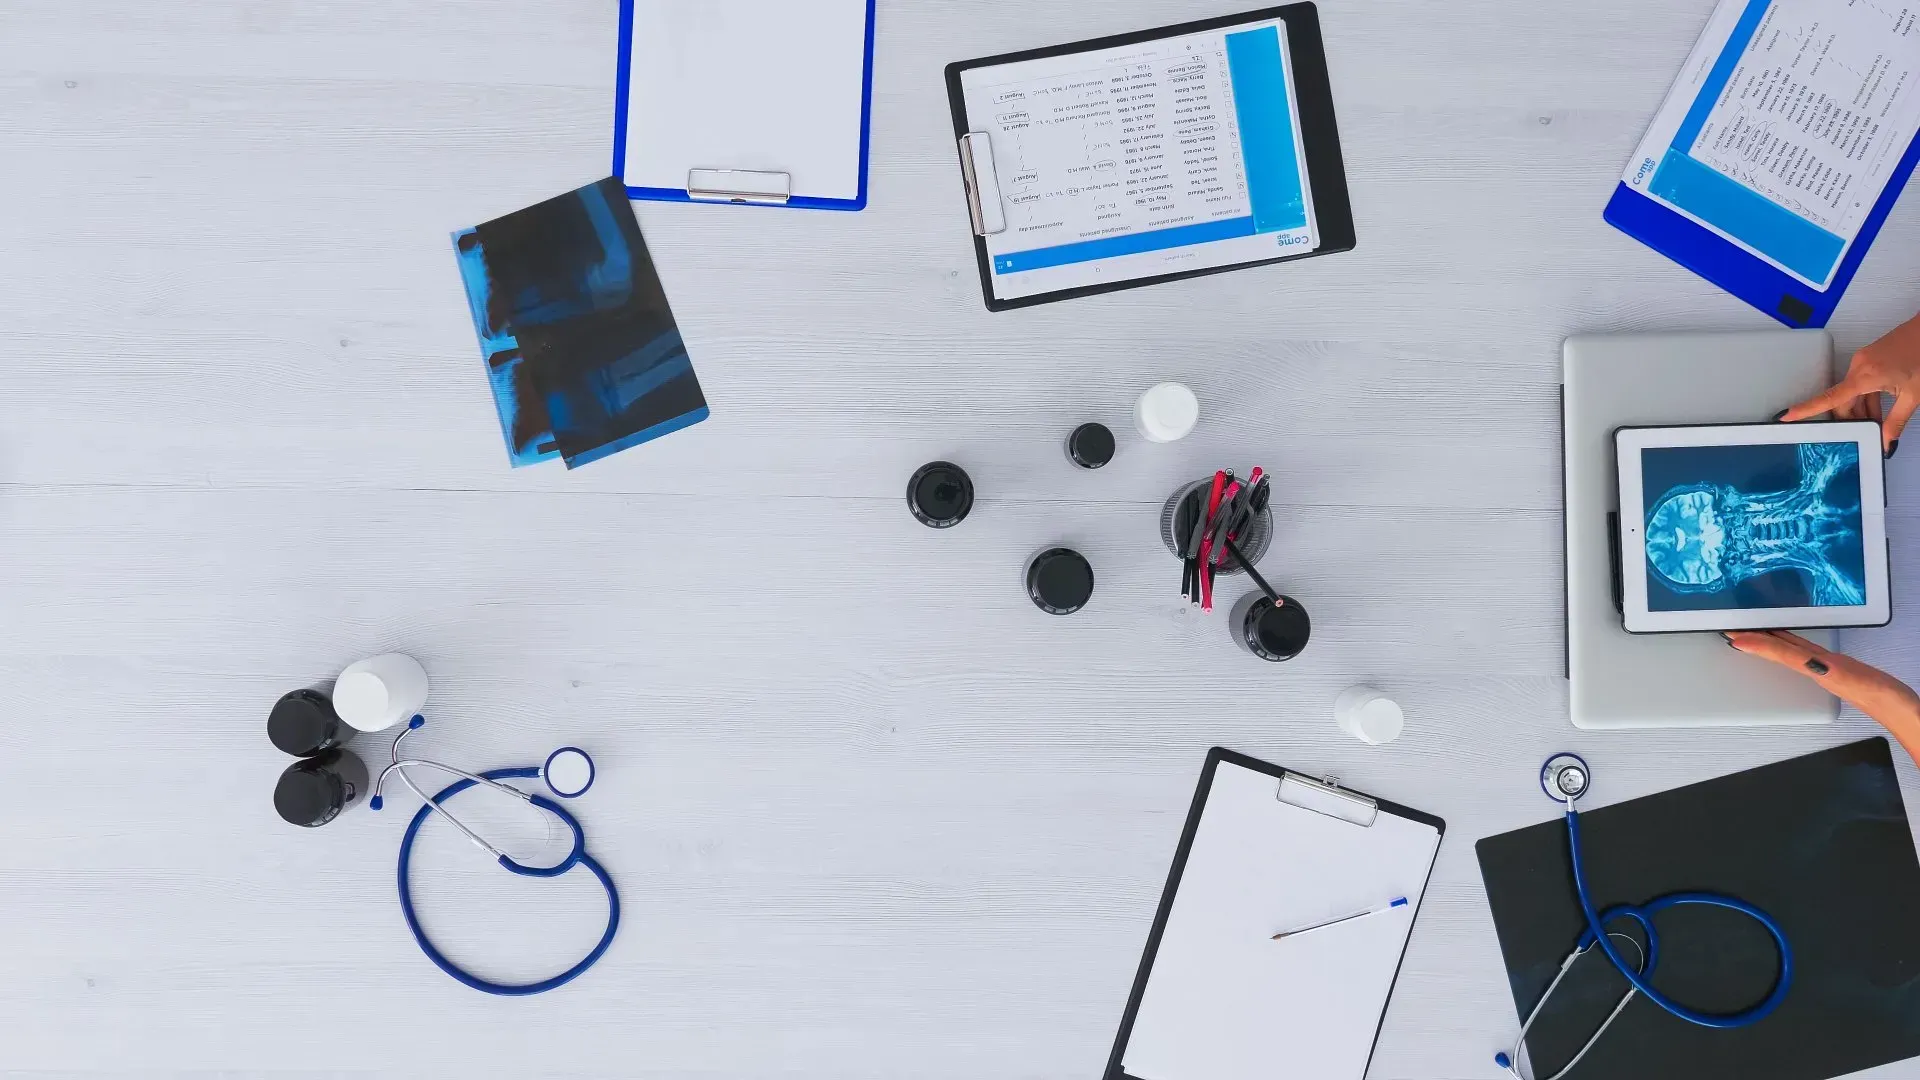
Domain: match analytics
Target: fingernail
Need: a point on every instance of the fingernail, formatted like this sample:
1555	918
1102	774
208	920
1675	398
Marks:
1893	448
1818	667
1729	638
1781	415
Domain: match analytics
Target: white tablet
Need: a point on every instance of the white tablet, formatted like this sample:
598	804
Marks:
1752	527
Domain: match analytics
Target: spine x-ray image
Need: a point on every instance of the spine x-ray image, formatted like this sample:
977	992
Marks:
1753	526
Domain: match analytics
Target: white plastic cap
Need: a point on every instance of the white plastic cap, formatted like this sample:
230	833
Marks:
361	700
1166	412
1369	715
380	691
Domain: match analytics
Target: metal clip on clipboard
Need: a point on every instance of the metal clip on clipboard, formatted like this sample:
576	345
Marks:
983	184
739	186
1327	797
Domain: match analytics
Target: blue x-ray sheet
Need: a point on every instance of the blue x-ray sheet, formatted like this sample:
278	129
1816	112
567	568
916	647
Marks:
1786	125
582	351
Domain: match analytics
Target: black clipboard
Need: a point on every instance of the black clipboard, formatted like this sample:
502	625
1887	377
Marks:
1333	790
1319	133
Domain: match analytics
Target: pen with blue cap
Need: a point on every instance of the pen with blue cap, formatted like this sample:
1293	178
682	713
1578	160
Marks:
1396	902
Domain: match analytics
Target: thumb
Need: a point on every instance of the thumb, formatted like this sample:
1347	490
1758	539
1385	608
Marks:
1787	650
1835	396
1896	421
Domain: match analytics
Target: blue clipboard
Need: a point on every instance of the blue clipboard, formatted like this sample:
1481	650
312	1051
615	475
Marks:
796	201
1712	256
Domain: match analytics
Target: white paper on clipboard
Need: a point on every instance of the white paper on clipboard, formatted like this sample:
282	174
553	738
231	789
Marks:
766	86
1225	1002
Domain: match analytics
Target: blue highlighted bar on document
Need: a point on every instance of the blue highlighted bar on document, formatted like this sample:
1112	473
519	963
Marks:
1108	247
1265	118
1747	216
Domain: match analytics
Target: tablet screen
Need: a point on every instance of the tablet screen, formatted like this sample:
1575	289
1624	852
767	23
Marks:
1753	526
1145	159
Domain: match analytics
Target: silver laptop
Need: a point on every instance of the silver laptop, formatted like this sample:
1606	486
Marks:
1622	680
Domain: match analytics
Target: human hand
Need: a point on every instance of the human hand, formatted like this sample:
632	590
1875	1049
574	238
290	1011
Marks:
1881	696
1890	365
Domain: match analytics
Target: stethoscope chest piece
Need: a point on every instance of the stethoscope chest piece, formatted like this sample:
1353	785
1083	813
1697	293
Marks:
1565	777
568	772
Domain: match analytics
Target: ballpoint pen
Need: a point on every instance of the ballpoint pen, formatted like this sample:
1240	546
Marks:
1234	550
1396	902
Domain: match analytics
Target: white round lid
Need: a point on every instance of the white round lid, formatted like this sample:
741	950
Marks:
361	699
1169	411
1379	720
568	772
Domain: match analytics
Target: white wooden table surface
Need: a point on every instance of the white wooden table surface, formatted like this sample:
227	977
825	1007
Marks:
872	813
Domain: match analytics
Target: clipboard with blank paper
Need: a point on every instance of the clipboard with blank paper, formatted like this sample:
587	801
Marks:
1267	851
759	102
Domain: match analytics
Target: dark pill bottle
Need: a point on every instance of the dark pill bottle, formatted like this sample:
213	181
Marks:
314	790
303	724
940	494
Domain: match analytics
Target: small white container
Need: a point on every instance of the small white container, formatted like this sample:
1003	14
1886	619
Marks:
1368	715
1166	413
381	691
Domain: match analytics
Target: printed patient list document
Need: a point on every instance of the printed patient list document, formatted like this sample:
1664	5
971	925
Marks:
1146	159
1785	125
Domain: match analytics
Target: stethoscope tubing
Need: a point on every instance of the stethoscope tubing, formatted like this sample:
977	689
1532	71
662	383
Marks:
1639	977
1596	930
577	857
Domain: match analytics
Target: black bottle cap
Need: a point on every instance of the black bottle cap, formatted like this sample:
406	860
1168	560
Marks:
303	723
308	794
1060	581
940	494
1277	633
1090	446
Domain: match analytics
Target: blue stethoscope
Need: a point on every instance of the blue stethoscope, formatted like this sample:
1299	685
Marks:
1565	778
568	773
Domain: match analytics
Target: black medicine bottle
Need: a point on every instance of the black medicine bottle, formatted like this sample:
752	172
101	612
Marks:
314	790
303	724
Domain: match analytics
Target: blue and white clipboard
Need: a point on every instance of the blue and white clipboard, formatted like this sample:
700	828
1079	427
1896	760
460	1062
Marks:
1779	151
755	102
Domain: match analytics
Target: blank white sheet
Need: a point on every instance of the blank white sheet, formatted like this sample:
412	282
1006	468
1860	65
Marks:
1223	1001
764	85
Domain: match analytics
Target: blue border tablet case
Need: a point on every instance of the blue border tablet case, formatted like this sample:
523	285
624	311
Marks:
798	202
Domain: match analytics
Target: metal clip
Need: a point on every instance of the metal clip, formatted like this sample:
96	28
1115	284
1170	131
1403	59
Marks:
739	186
1327	797
983	185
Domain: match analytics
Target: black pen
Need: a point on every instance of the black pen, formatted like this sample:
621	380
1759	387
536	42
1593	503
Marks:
1234	550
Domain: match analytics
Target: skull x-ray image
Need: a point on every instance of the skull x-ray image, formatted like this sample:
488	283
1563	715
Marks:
1753	526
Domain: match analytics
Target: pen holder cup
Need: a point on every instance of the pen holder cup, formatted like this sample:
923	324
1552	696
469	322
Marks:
1183	510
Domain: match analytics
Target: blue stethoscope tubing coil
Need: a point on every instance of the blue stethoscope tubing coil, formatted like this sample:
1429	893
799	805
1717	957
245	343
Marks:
568	771
1566	777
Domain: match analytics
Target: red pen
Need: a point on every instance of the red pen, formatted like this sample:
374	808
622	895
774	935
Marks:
1220	500
1213	507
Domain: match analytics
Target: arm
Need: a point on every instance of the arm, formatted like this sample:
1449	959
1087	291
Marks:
1885	699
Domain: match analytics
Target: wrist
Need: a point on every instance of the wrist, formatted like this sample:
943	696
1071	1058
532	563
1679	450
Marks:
1899	715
